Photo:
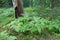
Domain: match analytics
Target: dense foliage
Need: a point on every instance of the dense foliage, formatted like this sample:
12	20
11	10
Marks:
35	24
40	21
27	3
5	36
29	24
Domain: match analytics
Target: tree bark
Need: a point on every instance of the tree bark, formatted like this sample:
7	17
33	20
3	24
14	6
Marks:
52	4
7	4
18	7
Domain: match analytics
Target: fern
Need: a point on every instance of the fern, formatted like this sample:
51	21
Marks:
5	36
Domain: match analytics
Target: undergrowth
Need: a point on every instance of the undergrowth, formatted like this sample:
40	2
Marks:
29	26
35	24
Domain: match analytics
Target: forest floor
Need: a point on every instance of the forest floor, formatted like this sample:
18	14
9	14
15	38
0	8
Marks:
7	18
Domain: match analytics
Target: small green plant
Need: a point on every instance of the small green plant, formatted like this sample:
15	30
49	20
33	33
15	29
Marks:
5	36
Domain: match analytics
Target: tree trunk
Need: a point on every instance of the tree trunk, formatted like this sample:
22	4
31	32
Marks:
7	4
52	4
18	8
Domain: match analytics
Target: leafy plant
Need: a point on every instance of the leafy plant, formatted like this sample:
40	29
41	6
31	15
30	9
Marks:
35	24
5	36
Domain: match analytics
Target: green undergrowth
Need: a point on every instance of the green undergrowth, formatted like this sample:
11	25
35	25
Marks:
29	27
5	36
35	28
6	15
34	24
